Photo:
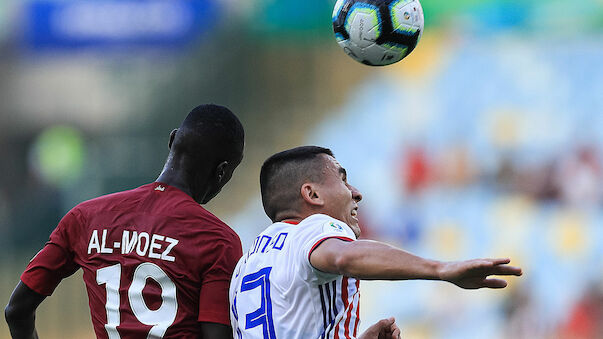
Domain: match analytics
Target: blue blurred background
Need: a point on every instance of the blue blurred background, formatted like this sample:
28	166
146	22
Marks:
486	141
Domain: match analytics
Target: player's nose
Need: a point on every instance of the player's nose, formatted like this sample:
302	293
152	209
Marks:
356	195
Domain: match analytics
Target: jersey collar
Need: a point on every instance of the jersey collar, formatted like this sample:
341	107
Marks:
292	222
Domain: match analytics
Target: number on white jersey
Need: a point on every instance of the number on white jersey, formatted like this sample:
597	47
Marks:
263	315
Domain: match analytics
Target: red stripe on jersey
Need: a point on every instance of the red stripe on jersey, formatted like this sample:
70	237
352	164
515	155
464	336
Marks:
357	308
323	239
344	298
349	312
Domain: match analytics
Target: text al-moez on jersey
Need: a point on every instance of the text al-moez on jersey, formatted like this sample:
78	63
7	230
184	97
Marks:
153	246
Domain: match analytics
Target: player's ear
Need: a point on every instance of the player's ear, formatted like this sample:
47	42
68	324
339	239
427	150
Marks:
221	171
311	195
172	136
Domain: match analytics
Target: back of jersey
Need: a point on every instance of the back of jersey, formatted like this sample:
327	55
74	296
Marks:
155	262
276	293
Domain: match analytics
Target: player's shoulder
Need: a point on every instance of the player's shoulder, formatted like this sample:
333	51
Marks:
322	223
202	225
322	219
210	220
121	198
82	213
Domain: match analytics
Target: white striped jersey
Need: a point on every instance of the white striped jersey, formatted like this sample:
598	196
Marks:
276	293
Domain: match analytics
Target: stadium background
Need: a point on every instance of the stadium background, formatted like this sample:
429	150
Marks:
486	141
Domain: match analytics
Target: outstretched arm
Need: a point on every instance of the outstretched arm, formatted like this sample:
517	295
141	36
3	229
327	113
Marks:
20	313
371	260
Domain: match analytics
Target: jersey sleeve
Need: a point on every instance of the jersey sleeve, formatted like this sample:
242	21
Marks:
319	228
213	299
55	261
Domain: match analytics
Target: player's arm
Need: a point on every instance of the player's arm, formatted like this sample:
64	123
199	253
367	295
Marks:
214	305
43	274
20	313
371	260
215	331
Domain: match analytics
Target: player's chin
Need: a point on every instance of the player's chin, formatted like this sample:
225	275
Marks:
354	225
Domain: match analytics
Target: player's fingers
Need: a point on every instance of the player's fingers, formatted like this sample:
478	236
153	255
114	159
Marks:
498	261
494	283
384	323
378	329
505	270
396	333
484	264
495	267
390	321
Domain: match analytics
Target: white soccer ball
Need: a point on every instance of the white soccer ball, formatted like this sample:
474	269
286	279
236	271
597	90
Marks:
378	32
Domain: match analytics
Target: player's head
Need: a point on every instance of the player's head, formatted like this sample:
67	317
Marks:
206	148
307	180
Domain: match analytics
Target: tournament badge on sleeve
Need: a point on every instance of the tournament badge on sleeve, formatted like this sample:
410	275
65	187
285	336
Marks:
331	226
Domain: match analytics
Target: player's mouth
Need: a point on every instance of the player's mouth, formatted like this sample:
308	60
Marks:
354	212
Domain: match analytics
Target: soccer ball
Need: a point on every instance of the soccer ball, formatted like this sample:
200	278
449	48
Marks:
378	32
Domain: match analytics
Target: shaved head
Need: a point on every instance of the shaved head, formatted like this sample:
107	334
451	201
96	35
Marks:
210	130
204	152
284	173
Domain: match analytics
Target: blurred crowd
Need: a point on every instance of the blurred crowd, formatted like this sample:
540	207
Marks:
572	178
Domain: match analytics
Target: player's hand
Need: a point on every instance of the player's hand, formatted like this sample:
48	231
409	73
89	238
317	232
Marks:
472	274
383	329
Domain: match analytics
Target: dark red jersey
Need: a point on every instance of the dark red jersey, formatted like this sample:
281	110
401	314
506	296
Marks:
155	262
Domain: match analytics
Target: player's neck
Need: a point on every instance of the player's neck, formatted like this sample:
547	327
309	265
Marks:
177	173
175	180
288	216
